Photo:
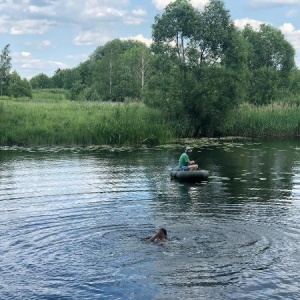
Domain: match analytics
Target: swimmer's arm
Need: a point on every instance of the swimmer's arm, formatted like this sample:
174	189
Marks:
152	239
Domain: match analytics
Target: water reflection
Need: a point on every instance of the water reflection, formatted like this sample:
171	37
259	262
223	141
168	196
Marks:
71	224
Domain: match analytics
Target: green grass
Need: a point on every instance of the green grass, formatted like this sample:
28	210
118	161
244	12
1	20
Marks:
49	95
277	119
64	122
49	119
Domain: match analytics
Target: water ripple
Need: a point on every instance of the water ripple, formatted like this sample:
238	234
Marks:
73	228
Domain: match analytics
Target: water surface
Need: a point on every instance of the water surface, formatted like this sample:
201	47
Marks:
72	223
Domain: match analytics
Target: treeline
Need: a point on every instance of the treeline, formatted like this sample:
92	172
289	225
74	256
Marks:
199	68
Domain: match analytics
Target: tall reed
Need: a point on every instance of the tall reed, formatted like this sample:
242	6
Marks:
276	119
83	123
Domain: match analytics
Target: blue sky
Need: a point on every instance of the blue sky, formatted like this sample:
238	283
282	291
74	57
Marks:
45	35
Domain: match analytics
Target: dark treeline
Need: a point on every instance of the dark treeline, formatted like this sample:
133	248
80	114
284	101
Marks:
198	69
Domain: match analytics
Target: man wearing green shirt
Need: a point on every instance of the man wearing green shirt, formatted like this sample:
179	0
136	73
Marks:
185	164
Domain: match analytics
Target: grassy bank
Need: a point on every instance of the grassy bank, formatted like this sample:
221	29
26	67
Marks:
33	122
277	119
49	119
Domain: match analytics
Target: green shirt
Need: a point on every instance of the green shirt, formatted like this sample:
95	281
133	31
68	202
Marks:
184	160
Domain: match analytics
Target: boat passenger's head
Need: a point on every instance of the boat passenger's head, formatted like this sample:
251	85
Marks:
188	149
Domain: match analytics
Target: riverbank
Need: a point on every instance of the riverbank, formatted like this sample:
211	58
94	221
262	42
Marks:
27	123
59	122
273	120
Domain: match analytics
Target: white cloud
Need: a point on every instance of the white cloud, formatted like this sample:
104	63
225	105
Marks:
44	44
26	54
241	23
104	13
40	11
29	27
293	36
133	21
292	13
139	12
4	20
29	64
91	38
161	4
78	58
139	38
262	4
23	18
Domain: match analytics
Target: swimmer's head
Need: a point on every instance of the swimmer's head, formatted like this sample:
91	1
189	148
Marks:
164	231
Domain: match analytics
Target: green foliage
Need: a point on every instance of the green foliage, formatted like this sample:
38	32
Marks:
58	79
211	99
136	69
200	83
263	86
213	34
41	81
49	95
270	61
19	87
276	119
268	48
5	67
71	123
117	67
174	27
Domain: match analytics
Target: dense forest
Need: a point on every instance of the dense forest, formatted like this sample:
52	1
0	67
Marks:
198	70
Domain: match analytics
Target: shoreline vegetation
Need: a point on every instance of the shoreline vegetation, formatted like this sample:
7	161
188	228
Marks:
51	120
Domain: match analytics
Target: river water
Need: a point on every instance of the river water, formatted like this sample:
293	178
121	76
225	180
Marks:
72	223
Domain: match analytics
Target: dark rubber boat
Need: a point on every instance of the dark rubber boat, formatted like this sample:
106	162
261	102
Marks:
189	176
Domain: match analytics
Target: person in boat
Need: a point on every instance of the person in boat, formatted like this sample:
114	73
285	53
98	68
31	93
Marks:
185	164
160	236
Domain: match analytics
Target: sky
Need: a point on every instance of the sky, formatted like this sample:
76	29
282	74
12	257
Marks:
45	35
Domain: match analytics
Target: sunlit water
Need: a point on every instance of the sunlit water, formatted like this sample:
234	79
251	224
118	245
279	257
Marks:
72	224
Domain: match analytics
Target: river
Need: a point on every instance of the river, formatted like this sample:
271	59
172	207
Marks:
72	223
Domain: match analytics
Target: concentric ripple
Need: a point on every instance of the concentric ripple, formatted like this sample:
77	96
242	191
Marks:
72	226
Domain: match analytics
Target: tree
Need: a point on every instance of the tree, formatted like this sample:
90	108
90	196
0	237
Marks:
41	81
172	33
268	48
270	61
111	74
136	69
19	87
5	67
58	79
212	35
198	46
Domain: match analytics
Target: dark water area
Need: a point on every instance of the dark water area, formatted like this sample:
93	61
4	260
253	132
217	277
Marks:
72	223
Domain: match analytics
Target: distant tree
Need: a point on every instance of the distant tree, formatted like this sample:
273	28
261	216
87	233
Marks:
19	87
58	79
135	68
112	70
5	67
70	77
76	92
268	48
41	81
270	62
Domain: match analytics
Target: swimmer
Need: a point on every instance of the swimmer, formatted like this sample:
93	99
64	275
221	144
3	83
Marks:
161	236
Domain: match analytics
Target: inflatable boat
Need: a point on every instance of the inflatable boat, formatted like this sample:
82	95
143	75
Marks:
189	176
